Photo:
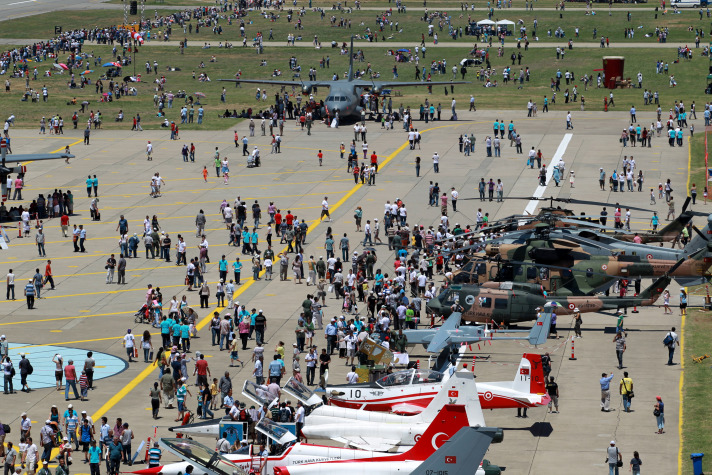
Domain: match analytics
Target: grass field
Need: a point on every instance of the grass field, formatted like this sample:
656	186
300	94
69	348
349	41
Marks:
696	436
542	63
643	22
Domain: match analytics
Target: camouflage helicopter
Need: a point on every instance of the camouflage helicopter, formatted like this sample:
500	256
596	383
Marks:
588	226
511	302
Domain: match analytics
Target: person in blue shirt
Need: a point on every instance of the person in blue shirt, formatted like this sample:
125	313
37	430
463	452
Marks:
237	268
89	184
185	336
495	127
275	370
176	334
94	457
254	239
606	392
154	456
95	184
166	332
222	267
246	241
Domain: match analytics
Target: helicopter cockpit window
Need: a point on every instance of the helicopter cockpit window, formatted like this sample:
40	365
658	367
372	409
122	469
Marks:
452	297
480	268
519	270
330	98
544	273
485	302
531	273
500	304
589	272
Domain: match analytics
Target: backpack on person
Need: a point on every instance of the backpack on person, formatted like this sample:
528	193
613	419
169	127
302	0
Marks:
284	415
668	340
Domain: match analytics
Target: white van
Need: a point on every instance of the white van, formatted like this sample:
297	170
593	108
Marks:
688	3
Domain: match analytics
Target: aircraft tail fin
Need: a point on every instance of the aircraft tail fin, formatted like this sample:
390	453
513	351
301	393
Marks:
445	425
540	331
461	453
351	61
459	389
441	337
530	375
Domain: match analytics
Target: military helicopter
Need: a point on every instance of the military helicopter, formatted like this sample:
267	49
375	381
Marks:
511	302
584	225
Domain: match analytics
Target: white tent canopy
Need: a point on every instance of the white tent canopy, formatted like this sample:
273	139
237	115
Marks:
485	22
505	22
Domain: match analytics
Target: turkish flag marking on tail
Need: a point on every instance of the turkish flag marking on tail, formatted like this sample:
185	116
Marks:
451	459
452	394
524	371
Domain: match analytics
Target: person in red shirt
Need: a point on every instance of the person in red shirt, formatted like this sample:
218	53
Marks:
70	376
48	274
320	156
289	218
64	222
277	221
237	144
374	160
201	368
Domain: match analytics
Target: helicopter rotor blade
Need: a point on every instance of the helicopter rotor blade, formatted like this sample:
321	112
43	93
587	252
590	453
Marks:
700	233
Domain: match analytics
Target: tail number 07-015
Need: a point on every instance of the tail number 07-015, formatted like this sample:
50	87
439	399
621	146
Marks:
436	472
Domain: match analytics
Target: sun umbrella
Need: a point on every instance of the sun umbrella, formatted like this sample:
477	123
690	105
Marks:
57	66
87	71
108	65
63	66
200	94
403	50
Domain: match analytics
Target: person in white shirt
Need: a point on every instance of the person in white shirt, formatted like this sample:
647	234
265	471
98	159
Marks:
325	209
149	151
352	377
453	196
436	162
129	345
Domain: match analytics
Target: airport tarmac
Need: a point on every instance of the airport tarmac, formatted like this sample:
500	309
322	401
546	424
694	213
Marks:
85	313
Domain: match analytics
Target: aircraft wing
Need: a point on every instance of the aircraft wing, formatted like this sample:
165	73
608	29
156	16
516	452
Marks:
281	83
386	85
34	157
406	409
376	444
447	331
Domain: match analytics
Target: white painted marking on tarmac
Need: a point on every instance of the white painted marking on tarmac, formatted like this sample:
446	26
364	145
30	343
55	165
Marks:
549	173
19	3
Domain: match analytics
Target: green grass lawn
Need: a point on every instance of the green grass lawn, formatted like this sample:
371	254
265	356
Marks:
411	23
542	63
696	436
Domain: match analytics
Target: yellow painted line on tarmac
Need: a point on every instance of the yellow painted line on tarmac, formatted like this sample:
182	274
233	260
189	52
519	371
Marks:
115	399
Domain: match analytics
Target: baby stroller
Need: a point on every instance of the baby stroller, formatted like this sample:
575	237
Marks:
143	315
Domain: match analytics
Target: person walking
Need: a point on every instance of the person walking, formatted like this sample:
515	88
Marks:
552	390
670	340
659	413
606	392
626	390
614	458
619	340
635	463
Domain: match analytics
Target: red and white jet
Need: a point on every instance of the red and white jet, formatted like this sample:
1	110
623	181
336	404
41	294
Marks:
409	392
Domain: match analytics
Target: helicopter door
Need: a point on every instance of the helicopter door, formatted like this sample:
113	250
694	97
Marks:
494	273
